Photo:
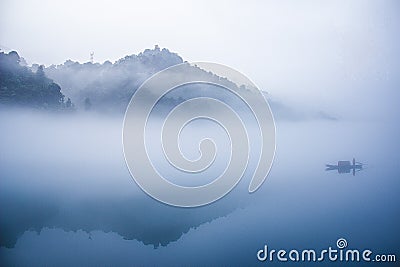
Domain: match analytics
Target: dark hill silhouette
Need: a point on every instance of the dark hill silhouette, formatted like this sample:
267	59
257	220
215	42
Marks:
106	87
21	87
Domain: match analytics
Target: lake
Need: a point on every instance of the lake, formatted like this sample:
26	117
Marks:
67	198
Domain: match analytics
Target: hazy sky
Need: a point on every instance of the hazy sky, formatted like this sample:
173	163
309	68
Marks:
317	51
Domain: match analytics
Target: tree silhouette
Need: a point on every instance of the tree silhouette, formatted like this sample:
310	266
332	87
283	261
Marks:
88	104
68	104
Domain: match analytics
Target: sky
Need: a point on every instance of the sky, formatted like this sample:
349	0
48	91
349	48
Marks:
318	53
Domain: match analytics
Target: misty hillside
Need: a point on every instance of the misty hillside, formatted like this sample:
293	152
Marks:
109	86
19	86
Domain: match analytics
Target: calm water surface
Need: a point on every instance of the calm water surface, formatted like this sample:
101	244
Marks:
67	199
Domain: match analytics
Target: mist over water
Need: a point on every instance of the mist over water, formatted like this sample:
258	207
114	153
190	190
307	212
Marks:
66	196
329	70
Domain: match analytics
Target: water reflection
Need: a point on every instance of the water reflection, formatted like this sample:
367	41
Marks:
142	219
73	177
345	166
79	195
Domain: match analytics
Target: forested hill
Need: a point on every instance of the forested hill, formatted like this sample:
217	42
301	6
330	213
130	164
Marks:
19	86
109	86
105	87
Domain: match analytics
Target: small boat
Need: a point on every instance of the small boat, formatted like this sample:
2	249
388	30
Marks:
345	166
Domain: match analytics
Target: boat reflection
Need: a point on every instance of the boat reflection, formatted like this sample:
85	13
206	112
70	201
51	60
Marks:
345	166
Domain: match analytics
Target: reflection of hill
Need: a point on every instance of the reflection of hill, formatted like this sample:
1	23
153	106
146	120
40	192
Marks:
21	213
68	172
142	219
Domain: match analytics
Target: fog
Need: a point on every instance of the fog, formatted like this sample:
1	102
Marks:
65	189
330	72
68	171
339	56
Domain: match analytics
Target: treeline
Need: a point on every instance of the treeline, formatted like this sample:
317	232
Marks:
108	87
20	86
